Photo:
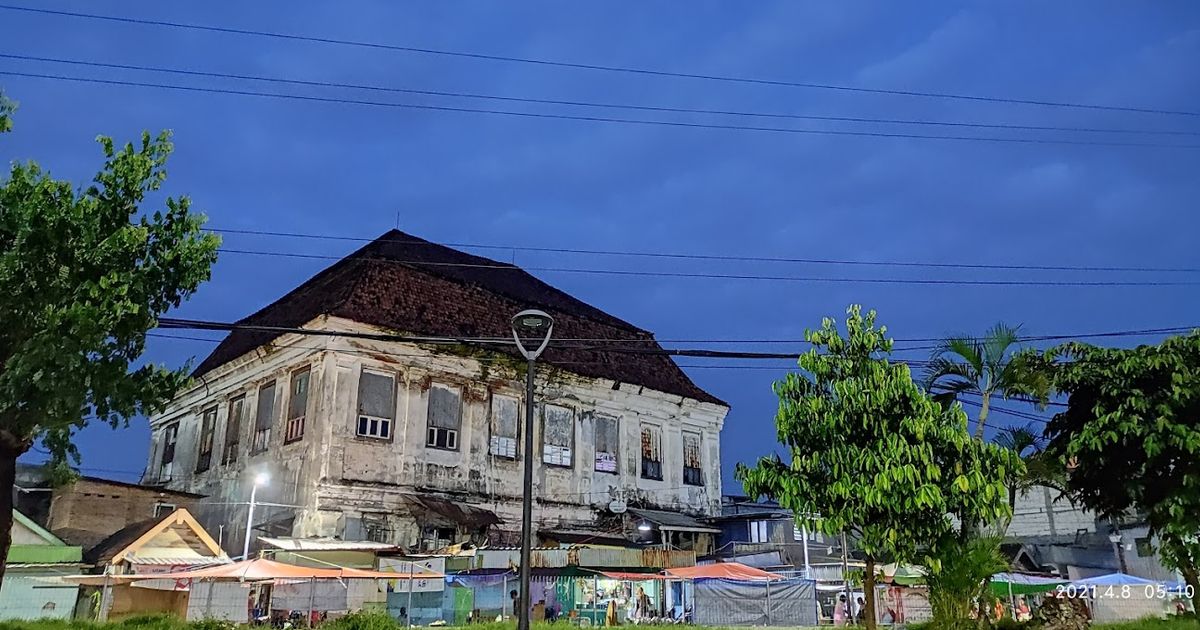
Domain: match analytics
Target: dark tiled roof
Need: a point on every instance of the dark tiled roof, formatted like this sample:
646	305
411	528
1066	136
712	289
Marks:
410	285
103	551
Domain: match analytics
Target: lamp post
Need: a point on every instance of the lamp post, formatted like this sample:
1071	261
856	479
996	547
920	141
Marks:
260	479
531	327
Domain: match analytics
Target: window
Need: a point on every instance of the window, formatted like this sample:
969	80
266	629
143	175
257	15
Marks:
170	438
297	404
264	419
376	405
1144	546
691	460
161	510
434	538
651	453
504	427
758	532
558	436
376	528
233	430
208	427
607	436
445	418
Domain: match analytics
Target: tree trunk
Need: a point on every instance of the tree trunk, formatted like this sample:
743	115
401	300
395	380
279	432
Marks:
10	449
869	593
983	414
1191	577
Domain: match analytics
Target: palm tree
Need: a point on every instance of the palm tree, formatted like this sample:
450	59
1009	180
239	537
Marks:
983	366
1039	468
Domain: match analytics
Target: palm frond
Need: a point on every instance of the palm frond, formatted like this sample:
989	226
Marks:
1019	439
968	349
945	374
996	344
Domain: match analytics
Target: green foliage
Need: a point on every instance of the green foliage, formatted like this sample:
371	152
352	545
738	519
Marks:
85	274
1041	469
959	579
7	107
872	454
364	620
1132	432
983	366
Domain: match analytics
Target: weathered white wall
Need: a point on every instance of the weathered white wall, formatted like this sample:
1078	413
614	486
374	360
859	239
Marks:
1039	512
334	475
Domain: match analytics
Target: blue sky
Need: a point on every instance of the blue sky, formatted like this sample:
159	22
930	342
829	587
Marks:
266	164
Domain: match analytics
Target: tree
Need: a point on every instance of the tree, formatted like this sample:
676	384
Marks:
872	454
7	107
963	364
1131	432
84	274
1040	468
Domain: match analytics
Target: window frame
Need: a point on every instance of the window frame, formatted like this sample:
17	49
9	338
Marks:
261	438
385	427
760	532
616	445
293	427
695	472
449	438
558	461
162	510
233	439
207	437
494	446
654	472
166	461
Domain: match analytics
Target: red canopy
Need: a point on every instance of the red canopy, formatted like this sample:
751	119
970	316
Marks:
261	569
724	571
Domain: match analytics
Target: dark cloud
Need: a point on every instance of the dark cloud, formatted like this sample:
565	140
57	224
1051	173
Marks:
339	169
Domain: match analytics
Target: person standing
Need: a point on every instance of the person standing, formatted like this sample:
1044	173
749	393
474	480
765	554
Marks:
841	610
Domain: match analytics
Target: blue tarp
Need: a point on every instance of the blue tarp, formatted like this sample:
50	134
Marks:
1115	579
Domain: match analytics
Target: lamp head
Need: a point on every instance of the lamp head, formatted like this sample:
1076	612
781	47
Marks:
531	330
261	479
643	526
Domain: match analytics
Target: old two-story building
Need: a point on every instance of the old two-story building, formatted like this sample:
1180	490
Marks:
419	443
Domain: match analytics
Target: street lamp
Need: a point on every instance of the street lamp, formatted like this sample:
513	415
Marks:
531	330
260	479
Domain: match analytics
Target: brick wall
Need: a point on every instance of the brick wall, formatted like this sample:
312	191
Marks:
90	510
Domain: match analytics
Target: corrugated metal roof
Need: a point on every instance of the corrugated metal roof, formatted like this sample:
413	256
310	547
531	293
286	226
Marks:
674	521
187	560
326	544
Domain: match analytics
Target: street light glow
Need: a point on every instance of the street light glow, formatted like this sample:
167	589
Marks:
261	479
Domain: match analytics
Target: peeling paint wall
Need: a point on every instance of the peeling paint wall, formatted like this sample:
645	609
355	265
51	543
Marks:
337	482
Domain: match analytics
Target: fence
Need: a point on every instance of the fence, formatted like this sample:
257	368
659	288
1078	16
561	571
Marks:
791	602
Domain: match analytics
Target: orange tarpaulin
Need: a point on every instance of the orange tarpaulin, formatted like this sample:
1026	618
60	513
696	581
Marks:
724	571
261	570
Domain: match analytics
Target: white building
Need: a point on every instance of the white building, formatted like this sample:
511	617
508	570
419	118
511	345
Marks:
420	445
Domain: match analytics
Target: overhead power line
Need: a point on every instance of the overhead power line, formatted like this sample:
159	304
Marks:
713	257
592	104
596	67
193	324
739	276
604	119
1116	333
